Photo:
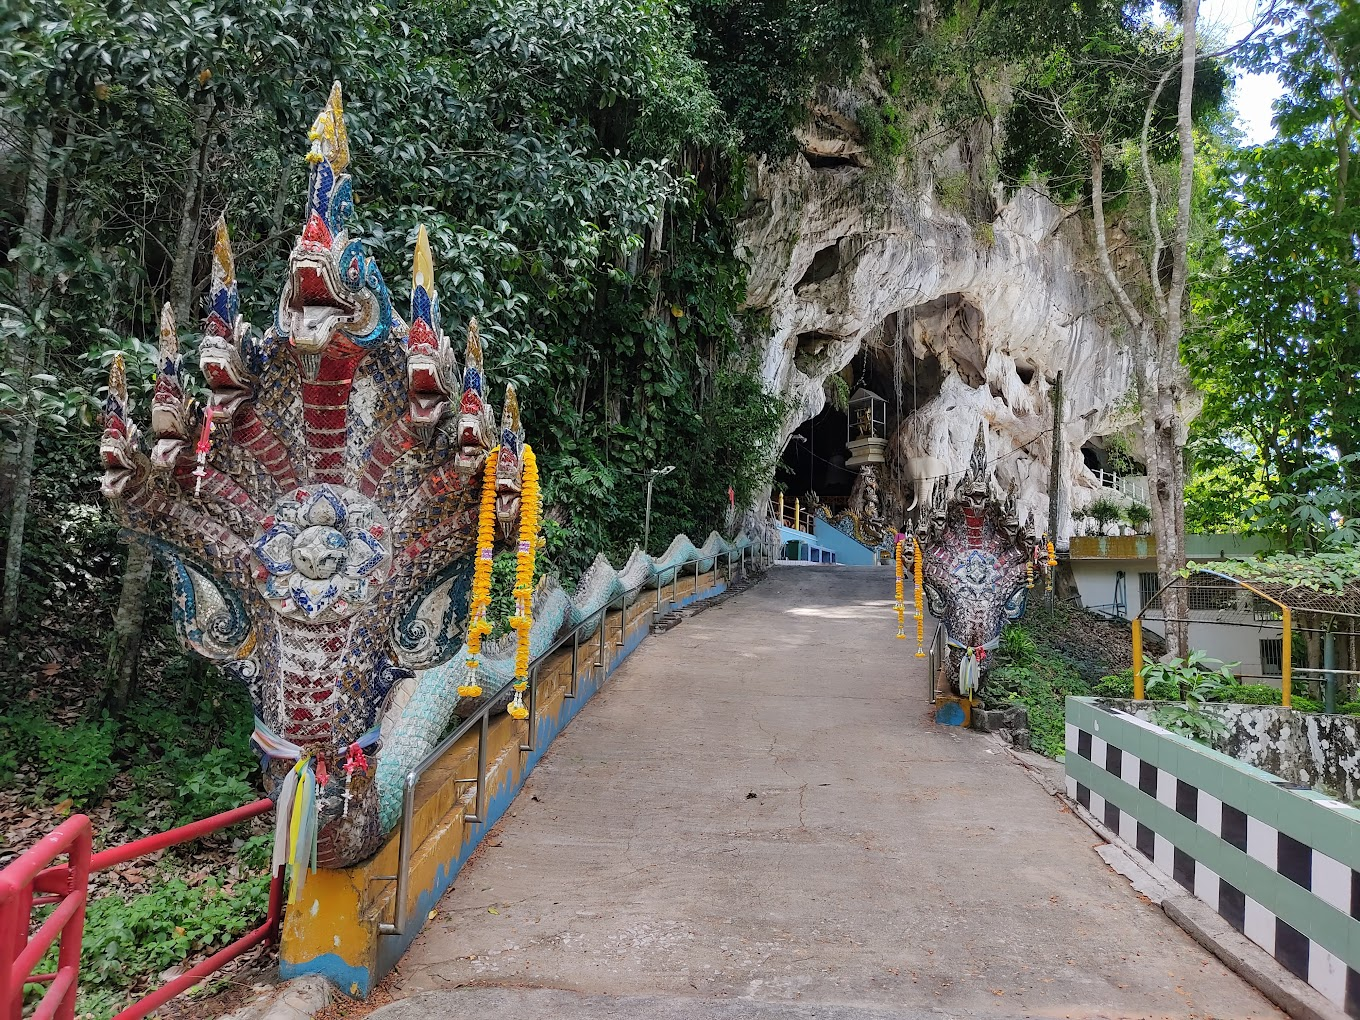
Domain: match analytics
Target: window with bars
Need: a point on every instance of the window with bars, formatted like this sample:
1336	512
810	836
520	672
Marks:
1272	656
1148	590
1213	594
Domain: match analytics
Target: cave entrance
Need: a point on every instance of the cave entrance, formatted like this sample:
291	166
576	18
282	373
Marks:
813	464
812	467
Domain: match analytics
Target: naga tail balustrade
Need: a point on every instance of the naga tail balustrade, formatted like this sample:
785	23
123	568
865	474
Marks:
318	512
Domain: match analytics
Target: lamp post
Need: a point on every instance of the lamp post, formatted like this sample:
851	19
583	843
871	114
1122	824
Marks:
652	476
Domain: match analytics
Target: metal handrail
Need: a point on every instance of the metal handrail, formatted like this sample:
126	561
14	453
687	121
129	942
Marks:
481	720
934	657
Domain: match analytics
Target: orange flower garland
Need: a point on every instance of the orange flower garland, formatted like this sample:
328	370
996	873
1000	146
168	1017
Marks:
919	599
1052	562
523	619
898	604
481	578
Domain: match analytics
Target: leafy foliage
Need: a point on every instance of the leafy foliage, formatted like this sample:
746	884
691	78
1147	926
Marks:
1041	685
1330	573
129	941
1278	306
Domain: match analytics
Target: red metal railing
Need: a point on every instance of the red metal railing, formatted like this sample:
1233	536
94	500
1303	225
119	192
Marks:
19	953
32	881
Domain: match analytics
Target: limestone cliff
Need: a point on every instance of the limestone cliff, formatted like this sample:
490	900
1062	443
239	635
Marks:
970	298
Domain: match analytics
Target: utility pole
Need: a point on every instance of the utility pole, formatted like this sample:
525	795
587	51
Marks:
652	476
1055	470
1055	462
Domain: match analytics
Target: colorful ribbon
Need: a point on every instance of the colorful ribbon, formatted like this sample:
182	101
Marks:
297	808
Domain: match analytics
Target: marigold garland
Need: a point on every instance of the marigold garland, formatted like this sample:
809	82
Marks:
919	598
523	619
898	604
1052	562
481	578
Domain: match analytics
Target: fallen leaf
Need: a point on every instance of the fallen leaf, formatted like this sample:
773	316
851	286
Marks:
492	910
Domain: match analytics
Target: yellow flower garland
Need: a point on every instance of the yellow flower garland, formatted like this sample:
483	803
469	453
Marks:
898	604
481	578
919	599
1052	562
523	619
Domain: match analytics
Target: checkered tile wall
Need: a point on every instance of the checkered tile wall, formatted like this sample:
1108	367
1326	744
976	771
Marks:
1282	865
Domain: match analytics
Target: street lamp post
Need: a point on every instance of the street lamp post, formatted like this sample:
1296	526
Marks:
652	476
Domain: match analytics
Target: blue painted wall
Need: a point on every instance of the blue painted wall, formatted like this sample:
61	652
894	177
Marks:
847	550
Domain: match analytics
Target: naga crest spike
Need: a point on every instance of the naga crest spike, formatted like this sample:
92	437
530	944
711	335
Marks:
430	371
170	410
330	140
976	481
116	403
224	302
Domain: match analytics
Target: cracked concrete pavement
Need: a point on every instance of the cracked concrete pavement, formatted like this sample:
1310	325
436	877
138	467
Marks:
757	818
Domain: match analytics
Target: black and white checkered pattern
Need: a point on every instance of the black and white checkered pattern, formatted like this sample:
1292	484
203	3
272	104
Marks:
1327	879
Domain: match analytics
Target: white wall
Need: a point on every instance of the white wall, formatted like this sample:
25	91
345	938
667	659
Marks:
1229	636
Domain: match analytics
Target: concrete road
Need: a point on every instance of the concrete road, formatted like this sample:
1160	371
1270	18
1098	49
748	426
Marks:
757	819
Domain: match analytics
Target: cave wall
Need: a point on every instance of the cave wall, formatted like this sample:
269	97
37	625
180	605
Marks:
999	289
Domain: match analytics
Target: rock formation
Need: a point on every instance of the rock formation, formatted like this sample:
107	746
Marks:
969	297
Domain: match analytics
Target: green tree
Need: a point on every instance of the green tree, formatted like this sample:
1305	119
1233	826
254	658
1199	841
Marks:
1276	355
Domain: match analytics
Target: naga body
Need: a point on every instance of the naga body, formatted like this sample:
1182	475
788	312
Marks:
318	508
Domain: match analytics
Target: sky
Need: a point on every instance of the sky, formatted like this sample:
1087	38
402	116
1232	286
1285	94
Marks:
1254	94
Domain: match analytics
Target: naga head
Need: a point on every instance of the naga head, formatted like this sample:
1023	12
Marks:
509	466
974	560
334	300
430	369
476	425
124	464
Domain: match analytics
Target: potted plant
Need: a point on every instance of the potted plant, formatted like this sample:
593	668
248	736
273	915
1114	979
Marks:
1104	511
1140	516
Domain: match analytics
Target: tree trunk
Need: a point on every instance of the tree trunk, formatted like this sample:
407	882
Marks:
127	629
18	511
29	359
182	268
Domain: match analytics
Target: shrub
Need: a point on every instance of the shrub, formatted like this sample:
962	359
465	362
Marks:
1349	708
1042	685
1250	694
1016	644
1120	685
1116	685
1104	511
1303	704
1138	514
76	762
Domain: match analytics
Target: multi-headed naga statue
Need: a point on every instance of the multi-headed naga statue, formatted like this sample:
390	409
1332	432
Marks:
978	567
319	510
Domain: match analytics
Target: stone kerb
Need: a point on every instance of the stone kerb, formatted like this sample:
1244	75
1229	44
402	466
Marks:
1280	863
333	930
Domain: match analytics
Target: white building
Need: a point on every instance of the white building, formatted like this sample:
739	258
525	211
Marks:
1117	576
